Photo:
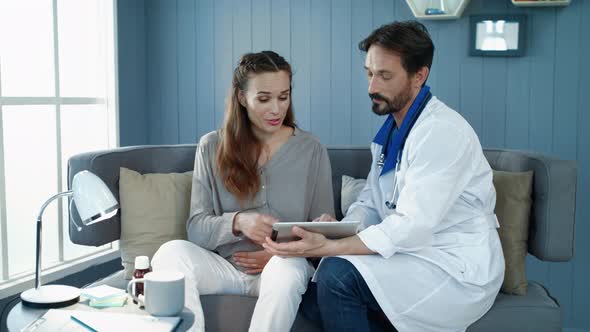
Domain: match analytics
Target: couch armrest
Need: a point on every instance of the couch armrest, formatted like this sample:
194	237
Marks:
551	230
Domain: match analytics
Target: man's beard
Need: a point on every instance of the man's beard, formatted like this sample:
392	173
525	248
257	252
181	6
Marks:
391	106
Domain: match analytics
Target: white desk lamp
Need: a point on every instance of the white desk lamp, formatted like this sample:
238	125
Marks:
95	203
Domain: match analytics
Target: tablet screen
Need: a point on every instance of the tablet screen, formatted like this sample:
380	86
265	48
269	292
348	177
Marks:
330	229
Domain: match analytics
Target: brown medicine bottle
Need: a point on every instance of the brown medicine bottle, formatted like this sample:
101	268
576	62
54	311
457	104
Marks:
142	266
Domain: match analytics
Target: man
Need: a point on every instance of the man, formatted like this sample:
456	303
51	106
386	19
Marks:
428	256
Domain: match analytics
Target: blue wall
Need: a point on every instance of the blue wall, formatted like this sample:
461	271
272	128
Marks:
176	59
132	67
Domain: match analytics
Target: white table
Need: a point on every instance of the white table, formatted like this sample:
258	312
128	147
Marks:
20	316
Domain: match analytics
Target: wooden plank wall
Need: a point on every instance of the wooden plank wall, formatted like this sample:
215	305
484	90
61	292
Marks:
536	102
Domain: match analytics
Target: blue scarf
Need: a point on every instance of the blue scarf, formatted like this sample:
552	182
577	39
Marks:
400	133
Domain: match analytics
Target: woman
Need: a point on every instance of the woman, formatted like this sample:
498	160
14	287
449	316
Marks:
259	169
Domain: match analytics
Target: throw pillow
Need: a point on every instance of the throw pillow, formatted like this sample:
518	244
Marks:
351	189
513	208
154	210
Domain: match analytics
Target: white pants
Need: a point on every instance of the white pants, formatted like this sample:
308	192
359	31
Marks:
279	287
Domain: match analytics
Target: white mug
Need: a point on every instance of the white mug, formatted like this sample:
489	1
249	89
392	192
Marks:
163	292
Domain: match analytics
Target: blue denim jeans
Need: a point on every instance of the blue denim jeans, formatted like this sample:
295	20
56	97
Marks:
340	300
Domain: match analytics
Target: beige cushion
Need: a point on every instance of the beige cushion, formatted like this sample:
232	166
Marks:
351	188
513	208
154	210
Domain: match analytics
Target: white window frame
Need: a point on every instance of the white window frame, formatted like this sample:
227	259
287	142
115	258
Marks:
17	283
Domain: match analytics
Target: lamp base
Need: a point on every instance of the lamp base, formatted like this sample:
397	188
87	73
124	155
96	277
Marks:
50	296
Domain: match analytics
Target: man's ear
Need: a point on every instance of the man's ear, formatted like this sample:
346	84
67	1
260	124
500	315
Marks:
420	76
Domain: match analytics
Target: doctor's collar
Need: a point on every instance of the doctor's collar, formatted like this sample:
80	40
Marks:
381	136
393	139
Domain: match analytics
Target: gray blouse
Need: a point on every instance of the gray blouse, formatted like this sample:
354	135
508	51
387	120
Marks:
296	185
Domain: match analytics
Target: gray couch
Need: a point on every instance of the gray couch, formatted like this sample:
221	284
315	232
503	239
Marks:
551	227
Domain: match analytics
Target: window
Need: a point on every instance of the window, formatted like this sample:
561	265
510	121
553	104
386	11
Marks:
57	98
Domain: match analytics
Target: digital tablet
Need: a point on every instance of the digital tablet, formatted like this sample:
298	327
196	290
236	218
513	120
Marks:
281	231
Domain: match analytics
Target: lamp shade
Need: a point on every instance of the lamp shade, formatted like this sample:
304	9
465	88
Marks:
94	201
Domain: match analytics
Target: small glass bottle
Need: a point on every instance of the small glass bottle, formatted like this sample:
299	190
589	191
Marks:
142	266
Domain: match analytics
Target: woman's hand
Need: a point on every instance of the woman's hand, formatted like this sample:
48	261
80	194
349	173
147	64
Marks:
325	217
254	225
254	261
310	245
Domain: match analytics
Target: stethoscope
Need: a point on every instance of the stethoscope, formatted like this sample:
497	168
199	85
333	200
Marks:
391	204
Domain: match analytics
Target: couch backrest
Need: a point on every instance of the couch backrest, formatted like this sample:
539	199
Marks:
554	189
106	164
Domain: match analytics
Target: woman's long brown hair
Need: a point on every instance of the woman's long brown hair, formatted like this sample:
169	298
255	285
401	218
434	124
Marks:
239	149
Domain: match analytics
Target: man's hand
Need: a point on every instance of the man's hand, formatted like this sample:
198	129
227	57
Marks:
325	217
310	245
254	225
316	245
254	261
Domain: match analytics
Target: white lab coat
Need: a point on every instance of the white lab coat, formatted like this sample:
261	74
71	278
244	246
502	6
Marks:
439	263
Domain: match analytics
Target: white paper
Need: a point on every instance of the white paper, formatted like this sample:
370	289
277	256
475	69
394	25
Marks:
59	320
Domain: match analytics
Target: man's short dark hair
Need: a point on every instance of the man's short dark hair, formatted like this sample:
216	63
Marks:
409	39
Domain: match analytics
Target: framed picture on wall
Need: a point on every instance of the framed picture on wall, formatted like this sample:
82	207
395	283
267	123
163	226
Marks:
497	35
